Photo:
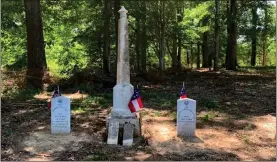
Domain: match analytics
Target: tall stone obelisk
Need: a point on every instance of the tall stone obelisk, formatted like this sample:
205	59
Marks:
123	90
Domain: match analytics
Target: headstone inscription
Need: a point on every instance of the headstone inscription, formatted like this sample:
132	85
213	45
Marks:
113	132
128	134
186	117
60	115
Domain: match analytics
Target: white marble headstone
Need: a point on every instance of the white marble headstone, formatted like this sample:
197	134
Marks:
60	115
186	117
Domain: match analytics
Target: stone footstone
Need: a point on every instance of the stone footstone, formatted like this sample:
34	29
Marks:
113	133
128	134
122	121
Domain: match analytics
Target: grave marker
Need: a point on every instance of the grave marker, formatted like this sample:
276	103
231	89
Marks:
60	115
186	117
128	134
113	132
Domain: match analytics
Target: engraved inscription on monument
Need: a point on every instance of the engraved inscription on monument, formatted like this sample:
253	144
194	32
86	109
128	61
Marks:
60	115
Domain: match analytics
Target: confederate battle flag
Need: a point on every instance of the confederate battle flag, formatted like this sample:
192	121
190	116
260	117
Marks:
135	103
183	92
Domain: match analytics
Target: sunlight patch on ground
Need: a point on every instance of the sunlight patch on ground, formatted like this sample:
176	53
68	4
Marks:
161	135
44	142
73	96
21	112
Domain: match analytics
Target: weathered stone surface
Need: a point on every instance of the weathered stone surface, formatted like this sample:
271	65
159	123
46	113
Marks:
186	117
134	121
60	115
113	132
121	97
128	134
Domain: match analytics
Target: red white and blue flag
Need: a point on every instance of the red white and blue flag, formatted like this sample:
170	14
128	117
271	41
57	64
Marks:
135	103
183	92
56	93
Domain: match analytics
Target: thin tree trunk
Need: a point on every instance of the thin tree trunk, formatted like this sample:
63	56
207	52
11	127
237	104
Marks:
264	36
174	46
228	31
188	58
216	35
162	41
174	53
198	54
106	48
254	35
180	13
179	50
36	59
116	17
205	53
232	38
138	42
144	37
191	54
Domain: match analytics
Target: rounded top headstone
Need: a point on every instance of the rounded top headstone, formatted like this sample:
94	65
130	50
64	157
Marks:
122	12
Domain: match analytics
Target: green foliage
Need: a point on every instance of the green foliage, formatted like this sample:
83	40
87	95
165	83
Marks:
73	32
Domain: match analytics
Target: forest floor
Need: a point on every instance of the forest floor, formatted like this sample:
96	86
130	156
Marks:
236	120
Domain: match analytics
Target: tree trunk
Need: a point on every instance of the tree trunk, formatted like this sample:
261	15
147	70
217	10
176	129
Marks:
116	17
138	42
191	54
106	48
205	53
254	35
180	13
174	46
174	53
232	38
216	35
228	31
36	59
144	37
198	54
264	36
179	53
188	58
162	41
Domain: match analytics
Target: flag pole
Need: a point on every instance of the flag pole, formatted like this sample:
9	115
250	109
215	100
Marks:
58	89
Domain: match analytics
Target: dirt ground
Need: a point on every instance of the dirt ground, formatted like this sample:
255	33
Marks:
237	121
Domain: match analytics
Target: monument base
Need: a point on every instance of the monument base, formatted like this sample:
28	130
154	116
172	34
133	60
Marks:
134	121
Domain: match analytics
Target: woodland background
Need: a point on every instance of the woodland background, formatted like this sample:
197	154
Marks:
67	37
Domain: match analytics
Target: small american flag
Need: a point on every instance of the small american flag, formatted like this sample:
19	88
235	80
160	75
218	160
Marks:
135	103
183	92
56	93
